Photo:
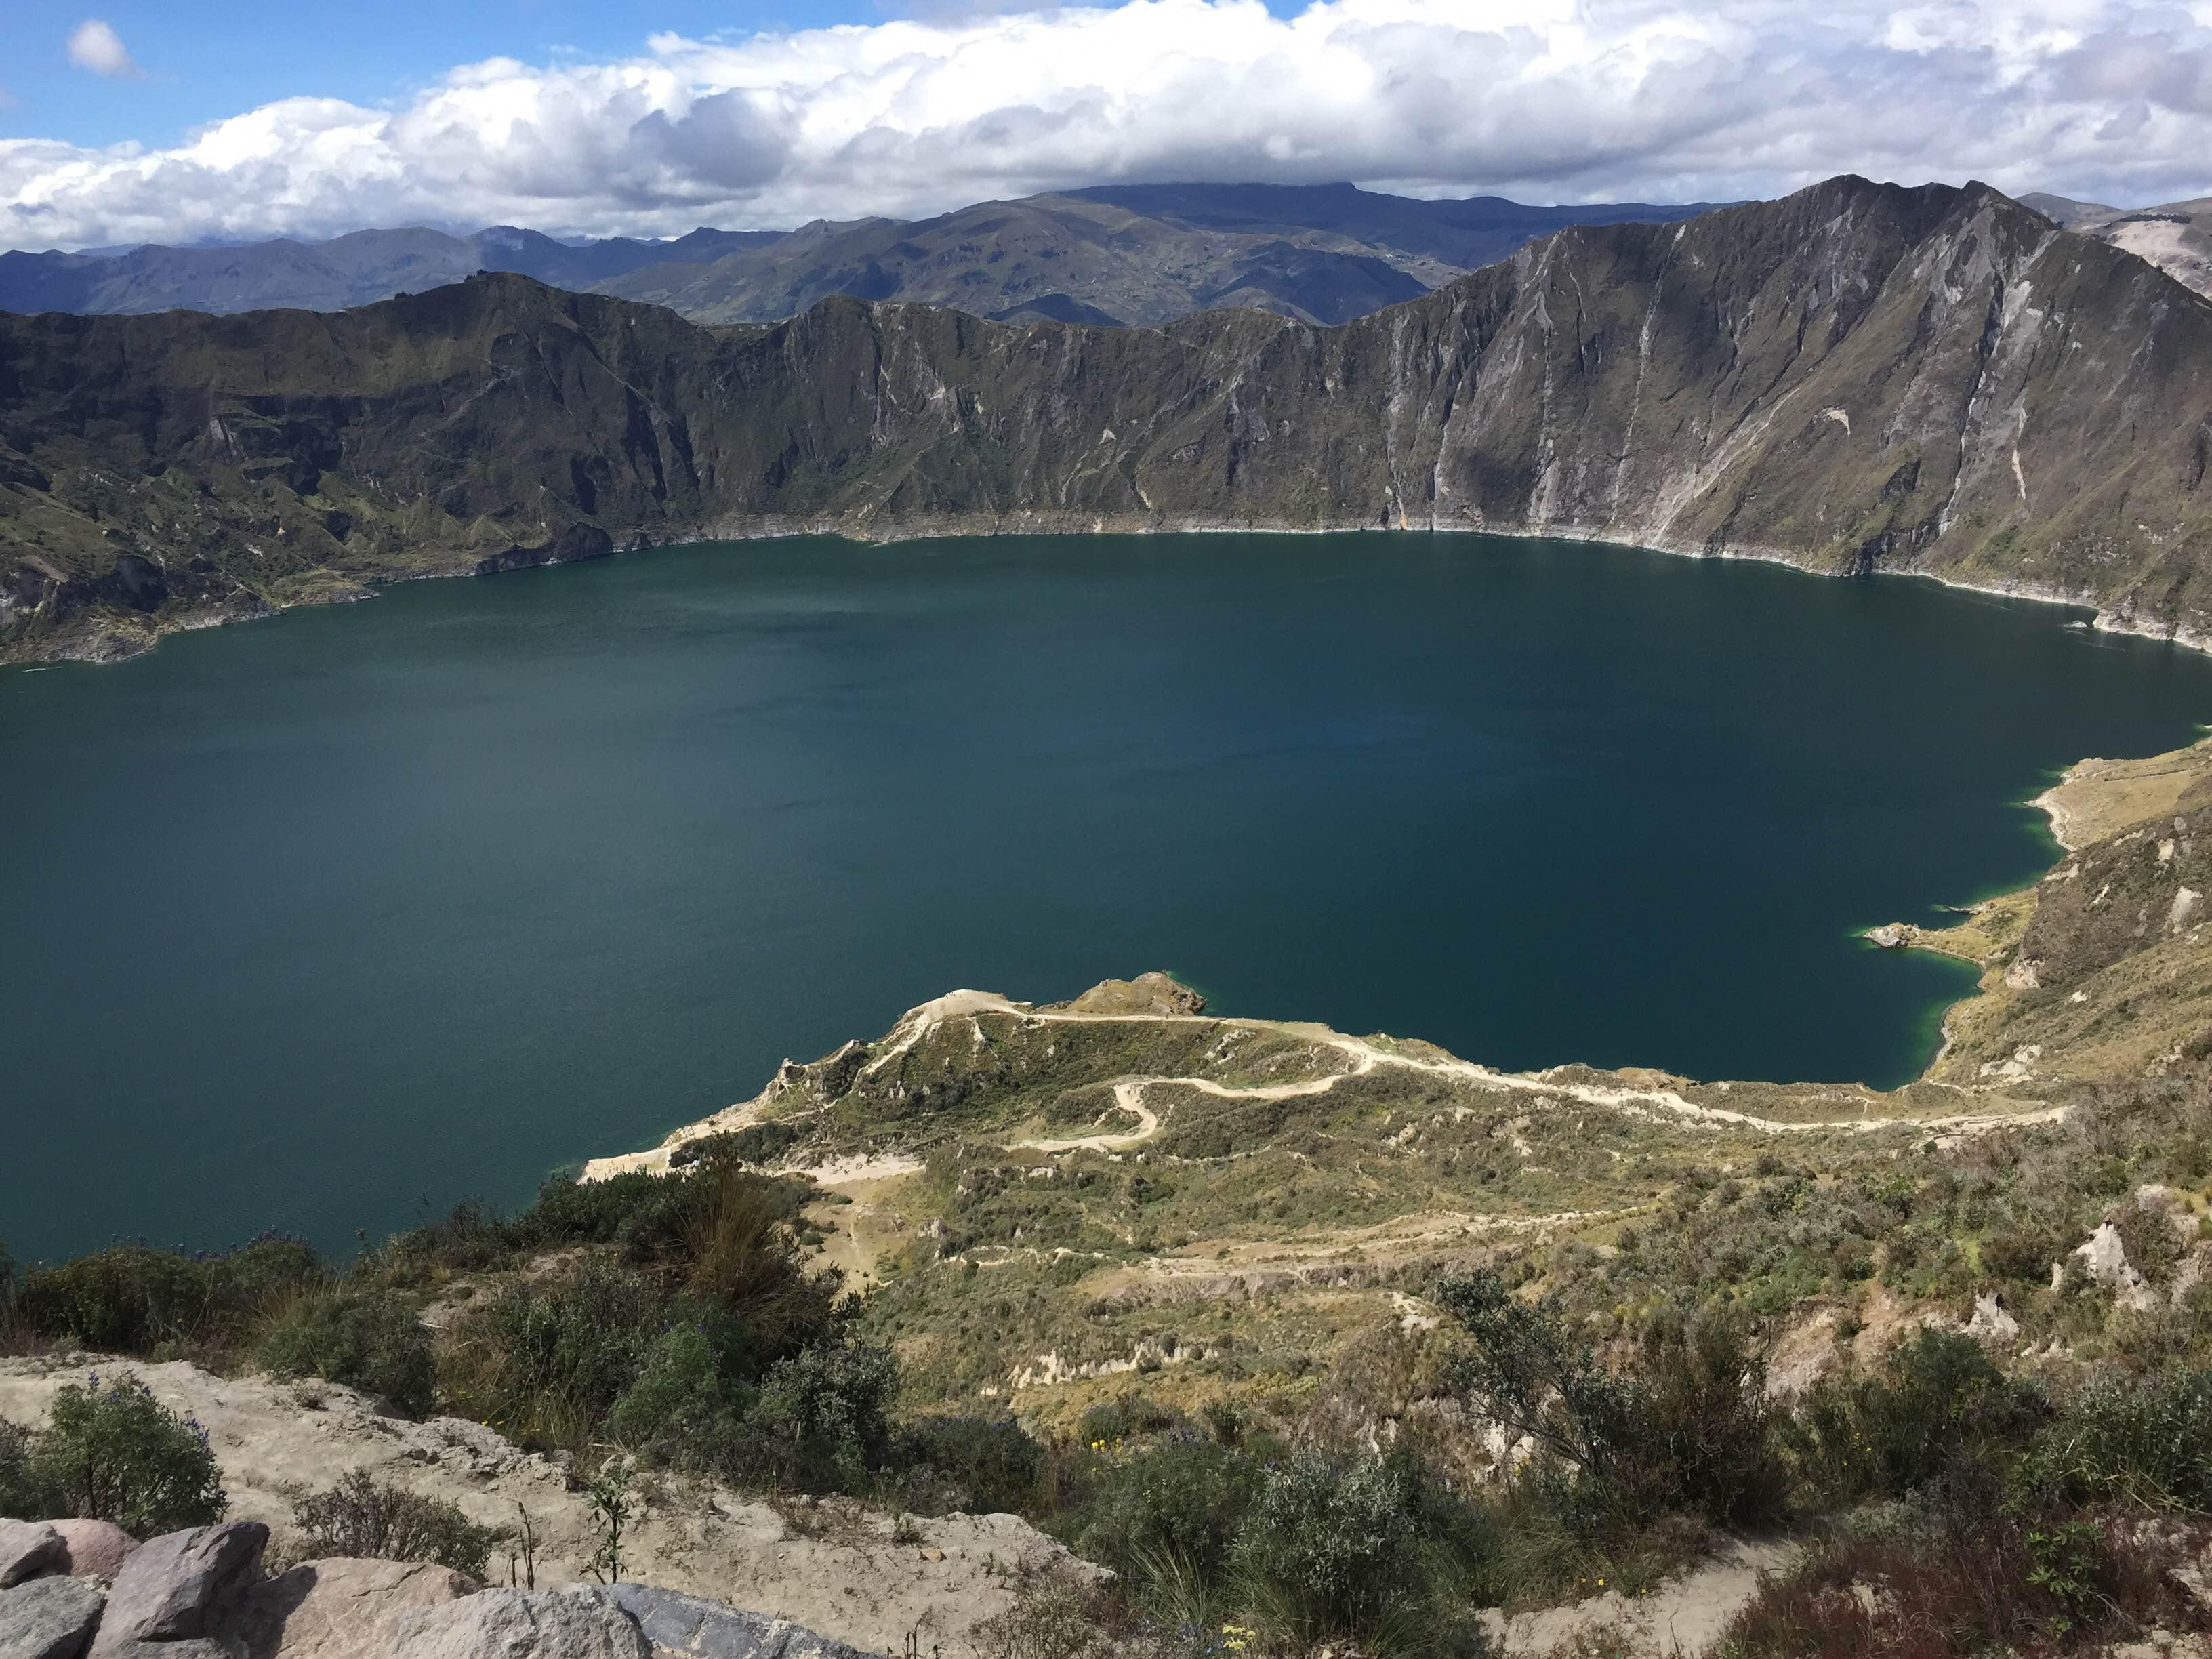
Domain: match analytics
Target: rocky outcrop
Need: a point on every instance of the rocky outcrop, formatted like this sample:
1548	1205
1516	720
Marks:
48	1619
339	1608
180	1586
858	1582
1857	378
29	1550
695	1628
203	1594
92	1549
511	1624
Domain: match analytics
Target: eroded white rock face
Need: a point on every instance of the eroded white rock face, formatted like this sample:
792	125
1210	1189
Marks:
2106	1259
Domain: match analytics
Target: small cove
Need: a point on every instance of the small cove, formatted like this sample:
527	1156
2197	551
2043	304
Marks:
326	922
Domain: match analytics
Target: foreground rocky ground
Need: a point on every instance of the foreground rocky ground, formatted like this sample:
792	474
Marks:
830	1565
87	1591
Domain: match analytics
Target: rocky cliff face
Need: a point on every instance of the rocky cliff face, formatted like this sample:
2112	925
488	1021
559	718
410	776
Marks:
1858	378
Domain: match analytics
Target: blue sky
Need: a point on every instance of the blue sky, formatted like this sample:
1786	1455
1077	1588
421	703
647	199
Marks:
246	118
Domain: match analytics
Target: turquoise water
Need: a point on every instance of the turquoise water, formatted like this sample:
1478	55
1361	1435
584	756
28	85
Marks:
326	922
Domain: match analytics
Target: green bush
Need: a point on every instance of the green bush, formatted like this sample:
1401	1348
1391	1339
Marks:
1125	1418
824	1411
1181	1503
1937	1402
686	1403
1333	1548
360	1518
1702	1424
20	1496
984	1465
131	1298
579	1341
1688	1427
367	1340
117	1453
2145	1440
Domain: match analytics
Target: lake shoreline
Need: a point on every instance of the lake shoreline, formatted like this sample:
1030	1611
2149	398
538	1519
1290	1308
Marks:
105	641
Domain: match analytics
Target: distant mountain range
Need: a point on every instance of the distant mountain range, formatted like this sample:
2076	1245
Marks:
2176	236
1123	254
1857	378
355	270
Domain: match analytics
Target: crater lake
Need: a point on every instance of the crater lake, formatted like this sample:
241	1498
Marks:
324	923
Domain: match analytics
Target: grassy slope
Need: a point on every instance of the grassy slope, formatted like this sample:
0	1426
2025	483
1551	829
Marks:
1273	1242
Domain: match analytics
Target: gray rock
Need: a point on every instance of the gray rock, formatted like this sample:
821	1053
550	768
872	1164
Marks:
1991	1324
511	1624
696	1628
48	1619
342	1609
94	1549
28	1549
192	1647
173	1586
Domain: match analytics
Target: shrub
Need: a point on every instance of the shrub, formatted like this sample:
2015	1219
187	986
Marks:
744	1256
131	1298
1691	1430
117	1453
1179	1503
577	1343
982	1465
469	1238
367	1340
1125	1418
1937	1402
685	1404
2145	1440
1334	1547
1703	1422
360	1518
19	1493
1050	1618
824	1410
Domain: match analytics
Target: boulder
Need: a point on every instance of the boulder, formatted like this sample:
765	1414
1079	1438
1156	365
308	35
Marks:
48	1619
1991	1324
94	1549
173	1587
191	1647
695	1628
511	1624
28	1549
342	1609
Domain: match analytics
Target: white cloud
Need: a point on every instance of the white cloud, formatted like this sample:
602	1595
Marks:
92	45
1547	100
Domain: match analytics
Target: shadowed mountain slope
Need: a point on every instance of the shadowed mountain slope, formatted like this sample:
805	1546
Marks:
1858	378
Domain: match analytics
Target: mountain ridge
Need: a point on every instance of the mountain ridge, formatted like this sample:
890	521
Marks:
1858	377
1117	254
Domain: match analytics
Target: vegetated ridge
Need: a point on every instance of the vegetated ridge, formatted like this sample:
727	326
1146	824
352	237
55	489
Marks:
1136	253
1859	378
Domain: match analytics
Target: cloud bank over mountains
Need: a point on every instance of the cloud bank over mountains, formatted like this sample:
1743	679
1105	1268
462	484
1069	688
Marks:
1546	99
